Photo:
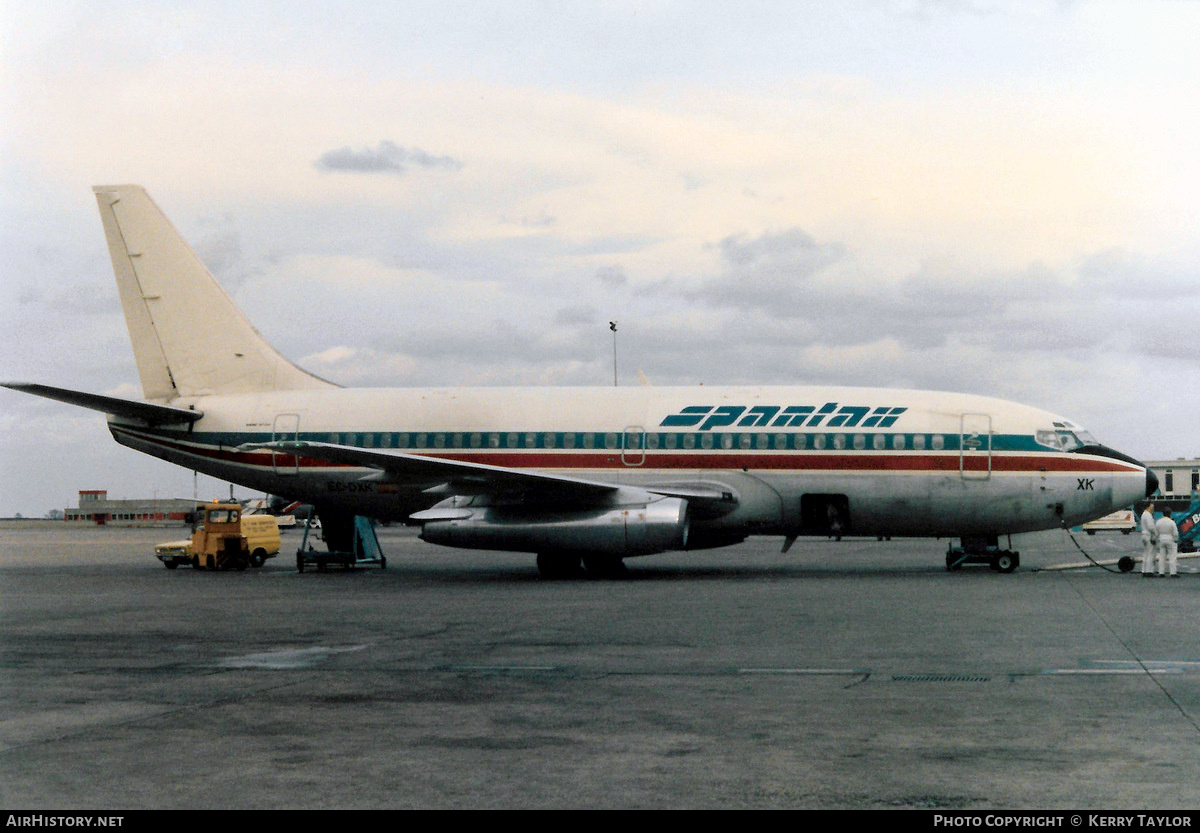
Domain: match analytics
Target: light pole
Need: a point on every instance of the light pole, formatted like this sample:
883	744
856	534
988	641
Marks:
612	325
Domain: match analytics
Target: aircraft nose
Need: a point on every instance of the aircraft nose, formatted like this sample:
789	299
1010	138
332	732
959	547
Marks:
1105	451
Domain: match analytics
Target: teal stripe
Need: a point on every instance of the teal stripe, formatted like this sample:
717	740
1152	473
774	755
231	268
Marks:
425	441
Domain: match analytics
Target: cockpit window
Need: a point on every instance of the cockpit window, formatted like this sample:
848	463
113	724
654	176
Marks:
1065	439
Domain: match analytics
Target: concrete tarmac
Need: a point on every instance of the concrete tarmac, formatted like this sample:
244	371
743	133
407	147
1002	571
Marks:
852	674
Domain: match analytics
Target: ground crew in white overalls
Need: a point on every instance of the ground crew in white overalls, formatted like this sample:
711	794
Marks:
1168	544
1149	541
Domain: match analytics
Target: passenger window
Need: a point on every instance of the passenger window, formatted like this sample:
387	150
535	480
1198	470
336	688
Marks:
879	442
819	441
689	440
919	442
706	441
781	441
860	441
898	442
511	440
568	440
939	442
839	441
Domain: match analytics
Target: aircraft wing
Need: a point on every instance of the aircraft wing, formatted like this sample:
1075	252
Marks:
128	408
455	477
445	476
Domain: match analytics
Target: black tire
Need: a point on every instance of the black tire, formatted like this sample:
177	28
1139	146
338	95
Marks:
1006	562
1125	563
604	566
170	565
556	565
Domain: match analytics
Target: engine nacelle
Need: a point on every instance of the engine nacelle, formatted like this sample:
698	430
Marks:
628	530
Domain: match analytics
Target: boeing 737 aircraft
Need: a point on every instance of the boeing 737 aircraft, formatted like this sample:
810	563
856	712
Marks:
597	474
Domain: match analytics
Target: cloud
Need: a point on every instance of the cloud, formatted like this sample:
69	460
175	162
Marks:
359	366
387	158
612	276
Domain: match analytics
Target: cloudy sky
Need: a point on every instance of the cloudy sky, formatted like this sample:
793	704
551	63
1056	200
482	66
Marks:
972	195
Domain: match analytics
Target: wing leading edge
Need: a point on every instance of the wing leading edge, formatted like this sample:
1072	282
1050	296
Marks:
457	477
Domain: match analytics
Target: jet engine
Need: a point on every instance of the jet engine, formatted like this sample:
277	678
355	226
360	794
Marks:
654	527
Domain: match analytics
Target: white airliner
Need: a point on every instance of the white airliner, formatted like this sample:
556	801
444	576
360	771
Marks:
597	474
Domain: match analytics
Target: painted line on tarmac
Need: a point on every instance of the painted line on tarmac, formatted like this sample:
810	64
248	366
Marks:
813	671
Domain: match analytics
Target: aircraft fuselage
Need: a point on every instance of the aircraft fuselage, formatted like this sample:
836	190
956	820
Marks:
893	462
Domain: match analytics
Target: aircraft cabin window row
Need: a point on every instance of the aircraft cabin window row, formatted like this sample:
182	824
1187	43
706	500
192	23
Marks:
637	441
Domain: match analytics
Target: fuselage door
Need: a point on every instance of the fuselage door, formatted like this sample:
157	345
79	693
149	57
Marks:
975	447
633	446
285	427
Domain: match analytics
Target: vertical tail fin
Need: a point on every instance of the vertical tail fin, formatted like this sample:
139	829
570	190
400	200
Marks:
189	338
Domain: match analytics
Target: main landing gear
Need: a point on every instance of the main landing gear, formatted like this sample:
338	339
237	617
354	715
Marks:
556	565
982	549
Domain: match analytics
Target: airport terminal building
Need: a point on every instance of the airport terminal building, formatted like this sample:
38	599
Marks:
95	507
1177	478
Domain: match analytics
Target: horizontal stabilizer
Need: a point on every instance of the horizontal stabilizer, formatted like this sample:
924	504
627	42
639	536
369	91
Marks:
147	412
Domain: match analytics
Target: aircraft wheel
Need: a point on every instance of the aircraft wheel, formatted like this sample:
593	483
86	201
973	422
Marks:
1006	562
553	565
1125	563
604	566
